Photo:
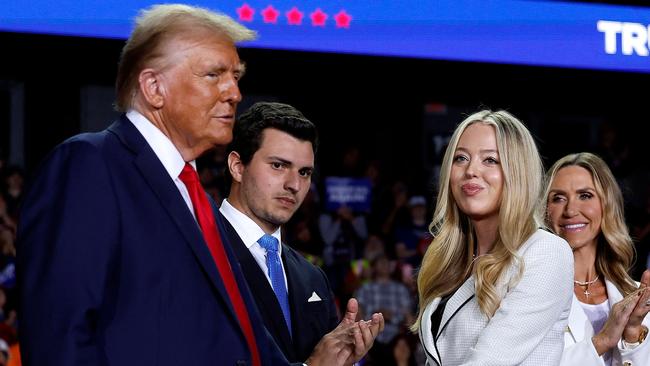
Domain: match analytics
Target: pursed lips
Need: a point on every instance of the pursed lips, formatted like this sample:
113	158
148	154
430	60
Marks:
471	189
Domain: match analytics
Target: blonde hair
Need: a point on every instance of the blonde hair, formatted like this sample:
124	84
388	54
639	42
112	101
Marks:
157	26
448	260
615	252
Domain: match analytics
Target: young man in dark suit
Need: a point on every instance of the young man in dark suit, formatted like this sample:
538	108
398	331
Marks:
271	160
120	261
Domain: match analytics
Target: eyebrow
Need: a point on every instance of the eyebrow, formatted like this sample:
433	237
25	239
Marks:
481	151
579	190
222	67
287	162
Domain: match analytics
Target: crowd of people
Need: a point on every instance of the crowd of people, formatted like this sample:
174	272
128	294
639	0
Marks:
11	193
500	265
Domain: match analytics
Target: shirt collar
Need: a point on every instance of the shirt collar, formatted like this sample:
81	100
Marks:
246	228
161	145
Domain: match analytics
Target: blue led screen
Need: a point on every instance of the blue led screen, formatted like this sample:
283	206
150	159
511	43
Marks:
545	33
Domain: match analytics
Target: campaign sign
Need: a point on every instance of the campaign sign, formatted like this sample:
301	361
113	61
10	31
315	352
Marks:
354	193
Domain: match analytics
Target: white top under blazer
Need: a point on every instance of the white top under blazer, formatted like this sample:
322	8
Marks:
580	350
528	327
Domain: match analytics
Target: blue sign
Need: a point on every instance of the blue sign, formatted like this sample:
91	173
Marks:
545	33
354	193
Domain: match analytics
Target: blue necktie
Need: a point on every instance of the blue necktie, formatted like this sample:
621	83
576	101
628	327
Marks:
270	243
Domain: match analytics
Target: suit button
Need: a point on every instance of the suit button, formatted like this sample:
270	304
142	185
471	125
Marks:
241	363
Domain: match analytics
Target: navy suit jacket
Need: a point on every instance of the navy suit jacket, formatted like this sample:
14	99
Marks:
113	268
310	320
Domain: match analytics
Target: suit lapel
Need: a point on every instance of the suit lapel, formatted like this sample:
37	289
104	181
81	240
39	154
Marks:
426	335
456	302
459	299
158	179
267	303
298	293
613	294
579	325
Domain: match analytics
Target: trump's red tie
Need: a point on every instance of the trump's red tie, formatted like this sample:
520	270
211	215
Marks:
205	217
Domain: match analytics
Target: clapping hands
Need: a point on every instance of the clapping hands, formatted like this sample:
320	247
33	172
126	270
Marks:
349	341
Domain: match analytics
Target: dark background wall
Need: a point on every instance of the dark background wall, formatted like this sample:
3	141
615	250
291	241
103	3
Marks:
376	103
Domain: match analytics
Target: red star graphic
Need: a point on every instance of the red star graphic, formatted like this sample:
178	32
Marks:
343	19
270	14
294	16
245	13
318	18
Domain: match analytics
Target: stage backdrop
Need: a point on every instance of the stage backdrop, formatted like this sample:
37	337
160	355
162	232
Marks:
547	33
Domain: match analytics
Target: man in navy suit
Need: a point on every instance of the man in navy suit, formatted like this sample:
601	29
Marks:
117	265
271	160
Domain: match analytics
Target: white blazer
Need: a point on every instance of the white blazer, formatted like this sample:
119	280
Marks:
580	350
528	326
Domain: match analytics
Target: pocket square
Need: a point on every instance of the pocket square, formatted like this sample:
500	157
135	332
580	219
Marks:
314	297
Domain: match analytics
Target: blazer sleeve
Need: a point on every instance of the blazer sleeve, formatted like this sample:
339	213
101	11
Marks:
528	326
639	355
582	353
66	245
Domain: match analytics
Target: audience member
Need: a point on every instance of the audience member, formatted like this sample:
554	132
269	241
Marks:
389	297
409	235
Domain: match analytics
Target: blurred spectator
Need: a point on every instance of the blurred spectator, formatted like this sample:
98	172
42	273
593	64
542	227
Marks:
385	295
409	234
360	270
7	258
302	229
343	233
6	221
12	189
4	353
640	230
14	355
395	212
211	168
304	237
351	163
614	149
402	350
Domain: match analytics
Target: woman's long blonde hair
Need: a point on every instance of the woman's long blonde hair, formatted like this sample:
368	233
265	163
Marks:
448	260
615	251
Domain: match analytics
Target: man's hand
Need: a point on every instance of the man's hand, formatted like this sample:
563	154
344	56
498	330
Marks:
349	341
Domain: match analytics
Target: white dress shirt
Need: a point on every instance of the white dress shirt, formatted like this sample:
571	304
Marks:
249	233
165	150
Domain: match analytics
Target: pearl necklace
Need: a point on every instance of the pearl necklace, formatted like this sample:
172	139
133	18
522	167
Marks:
586	283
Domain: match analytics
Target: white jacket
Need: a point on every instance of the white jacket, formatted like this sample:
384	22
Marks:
528	326
580	350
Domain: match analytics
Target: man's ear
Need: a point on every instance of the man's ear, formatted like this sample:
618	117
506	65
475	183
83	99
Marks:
151	86
235	166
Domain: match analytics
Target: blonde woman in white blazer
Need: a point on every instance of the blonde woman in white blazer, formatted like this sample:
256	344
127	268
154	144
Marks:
492	285
608	323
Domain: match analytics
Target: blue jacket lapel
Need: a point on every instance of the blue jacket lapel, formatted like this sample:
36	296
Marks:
165	189
263	293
